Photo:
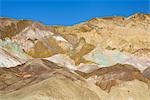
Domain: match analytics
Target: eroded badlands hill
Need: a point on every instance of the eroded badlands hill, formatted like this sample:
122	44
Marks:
101	59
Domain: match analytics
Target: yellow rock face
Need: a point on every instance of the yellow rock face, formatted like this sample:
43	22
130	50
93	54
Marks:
124	34
44	49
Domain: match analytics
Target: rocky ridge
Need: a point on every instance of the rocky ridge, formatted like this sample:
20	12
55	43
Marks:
101	59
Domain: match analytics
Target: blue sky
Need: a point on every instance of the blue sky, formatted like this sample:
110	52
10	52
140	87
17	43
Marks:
69	12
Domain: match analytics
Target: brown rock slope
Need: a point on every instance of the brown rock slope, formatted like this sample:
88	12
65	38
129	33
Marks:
108	77
11	27
42	80
121	82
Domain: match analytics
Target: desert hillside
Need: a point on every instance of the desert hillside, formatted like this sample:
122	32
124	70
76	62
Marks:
100	59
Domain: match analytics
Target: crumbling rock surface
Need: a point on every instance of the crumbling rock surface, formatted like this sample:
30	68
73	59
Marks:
124	34
41	79
101	59
108	77
146	72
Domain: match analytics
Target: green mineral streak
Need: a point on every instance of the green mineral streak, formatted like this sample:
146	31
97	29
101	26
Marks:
118	56
102	59
107	60
12	46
